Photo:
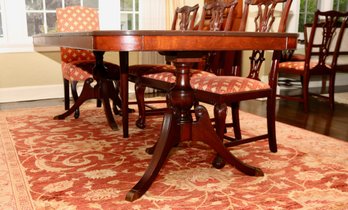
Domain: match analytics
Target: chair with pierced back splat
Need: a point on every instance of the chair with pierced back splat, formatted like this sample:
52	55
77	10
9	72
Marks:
184	19
223	91
165	79
78	65
322	47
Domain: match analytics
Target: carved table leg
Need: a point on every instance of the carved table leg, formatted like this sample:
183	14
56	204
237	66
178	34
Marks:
88	92
165	143
203	130
100	91
176	122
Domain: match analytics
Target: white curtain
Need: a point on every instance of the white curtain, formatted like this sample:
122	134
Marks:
152	17
158	15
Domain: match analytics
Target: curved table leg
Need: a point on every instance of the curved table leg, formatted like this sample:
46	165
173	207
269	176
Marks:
106	86
88	92
204	131
163	146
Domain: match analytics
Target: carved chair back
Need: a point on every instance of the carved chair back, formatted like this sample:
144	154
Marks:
323	40
187	16
216	16
217	11
264	22
76	19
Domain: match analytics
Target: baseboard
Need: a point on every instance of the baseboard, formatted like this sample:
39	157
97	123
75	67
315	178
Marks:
31	93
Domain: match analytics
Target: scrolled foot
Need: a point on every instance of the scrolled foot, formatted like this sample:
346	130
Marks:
133	195
150	150
77	113
59	117
218	162
140	123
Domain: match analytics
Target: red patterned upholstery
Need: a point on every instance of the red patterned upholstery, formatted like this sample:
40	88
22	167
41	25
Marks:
139	70
227	84
74	73
170	77
296	65
76	19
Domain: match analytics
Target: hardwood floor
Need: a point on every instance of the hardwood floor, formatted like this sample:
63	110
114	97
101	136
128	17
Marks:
319	119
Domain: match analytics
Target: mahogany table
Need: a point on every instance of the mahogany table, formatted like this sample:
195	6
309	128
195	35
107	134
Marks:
177	122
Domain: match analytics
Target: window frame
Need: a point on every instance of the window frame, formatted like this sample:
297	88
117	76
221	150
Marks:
15	34
321	5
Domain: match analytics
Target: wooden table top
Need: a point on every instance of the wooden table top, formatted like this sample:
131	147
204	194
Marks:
166	40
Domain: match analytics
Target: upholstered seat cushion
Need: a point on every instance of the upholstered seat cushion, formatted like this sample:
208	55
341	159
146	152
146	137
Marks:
83	69
143	69
295	65
170	76
227	84
71	71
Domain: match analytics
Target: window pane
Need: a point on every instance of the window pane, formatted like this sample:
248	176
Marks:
136	5
91	3
72	3
136	21
53	4
341	5
35	22
126	21
307	9
126	5
51	22
34	4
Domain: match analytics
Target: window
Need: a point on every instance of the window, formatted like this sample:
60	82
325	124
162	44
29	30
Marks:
341	5
21	19
129	14
308	8
41	14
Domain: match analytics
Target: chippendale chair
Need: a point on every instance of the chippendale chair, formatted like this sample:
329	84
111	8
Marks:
224	91
322	47
162	76
78	65
184	19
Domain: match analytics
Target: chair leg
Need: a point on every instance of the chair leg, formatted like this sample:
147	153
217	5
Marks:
235	120
140	96
66	94
305	89
99	103
332	91
75	96
220	112
271	127
116	100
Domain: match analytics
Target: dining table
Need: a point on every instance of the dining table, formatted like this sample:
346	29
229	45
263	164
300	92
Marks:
179	123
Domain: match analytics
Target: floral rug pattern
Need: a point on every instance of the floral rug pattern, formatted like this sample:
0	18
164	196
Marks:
83	164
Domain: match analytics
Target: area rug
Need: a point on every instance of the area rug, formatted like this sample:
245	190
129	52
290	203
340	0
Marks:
83	164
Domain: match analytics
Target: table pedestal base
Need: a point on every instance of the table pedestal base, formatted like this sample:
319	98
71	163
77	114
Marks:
103	91
178	125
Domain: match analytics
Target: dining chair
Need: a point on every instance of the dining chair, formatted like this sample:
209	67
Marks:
78	65
224	91
322	47
183	19
162	77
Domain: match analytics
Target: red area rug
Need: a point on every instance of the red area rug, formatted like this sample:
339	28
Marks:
83	164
